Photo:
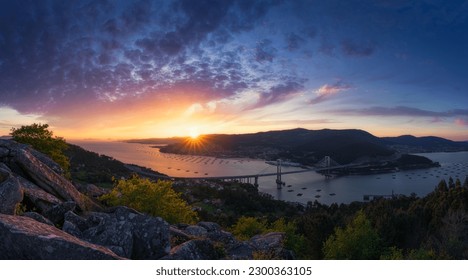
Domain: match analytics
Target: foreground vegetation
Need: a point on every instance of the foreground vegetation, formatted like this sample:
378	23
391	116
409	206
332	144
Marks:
154	198
404	227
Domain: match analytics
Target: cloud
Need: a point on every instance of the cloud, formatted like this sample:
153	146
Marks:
402	111
326	91
264	51
279	93
58	54
358	49
461	122
294	41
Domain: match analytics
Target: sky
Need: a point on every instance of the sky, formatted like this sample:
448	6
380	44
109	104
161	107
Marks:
140	69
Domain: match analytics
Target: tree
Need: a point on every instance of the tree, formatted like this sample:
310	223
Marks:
43	140
247	227
358	241
451	183
154	198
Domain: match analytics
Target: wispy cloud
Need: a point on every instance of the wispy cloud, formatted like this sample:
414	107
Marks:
359	49
402	111
461	122
327	90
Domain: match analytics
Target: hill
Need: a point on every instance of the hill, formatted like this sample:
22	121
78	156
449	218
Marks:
409	143
301	145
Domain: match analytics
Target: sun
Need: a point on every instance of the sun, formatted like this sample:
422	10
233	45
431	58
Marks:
193	132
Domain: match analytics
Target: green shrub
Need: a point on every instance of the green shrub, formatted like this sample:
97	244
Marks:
154	198
42	139
247	227
358	241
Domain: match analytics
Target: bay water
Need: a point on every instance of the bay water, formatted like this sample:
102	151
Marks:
299	187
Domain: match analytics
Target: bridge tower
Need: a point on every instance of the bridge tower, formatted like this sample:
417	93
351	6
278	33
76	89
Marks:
327	166
279	182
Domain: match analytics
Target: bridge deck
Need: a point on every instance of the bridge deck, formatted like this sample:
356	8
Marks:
234	177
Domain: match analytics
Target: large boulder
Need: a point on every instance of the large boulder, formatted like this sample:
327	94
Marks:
43	172
40	199
38	217
26	239
125	231
92	190
11	193
227	246
197	249
271	246
56	213
48	180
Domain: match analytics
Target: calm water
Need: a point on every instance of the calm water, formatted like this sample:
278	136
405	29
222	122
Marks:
303	187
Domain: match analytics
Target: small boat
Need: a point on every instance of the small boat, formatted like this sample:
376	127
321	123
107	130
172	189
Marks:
299	194
290	190
319	190
317	196
289	186
332	194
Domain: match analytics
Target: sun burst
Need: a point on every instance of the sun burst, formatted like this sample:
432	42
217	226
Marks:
193	133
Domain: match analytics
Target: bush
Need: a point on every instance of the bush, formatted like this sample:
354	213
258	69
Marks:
41	139
247	227
154	198
358	241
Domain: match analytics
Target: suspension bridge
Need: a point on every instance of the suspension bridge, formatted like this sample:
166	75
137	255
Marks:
325	166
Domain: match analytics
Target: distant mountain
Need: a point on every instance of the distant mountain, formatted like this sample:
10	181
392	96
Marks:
301	145
306	146
409	143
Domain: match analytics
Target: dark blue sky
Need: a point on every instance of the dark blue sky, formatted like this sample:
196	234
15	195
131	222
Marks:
162	68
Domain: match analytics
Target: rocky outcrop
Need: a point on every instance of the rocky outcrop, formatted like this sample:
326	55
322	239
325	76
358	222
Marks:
91	190
271	245
38	217
44	216
42	200
125	231
48	180
223	244
24	238
43	172
197	249
11	193
57	212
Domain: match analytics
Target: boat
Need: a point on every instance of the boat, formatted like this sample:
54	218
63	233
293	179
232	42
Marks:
317	196
332	194
299	194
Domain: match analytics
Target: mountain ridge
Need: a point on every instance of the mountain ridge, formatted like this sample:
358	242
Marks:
306	146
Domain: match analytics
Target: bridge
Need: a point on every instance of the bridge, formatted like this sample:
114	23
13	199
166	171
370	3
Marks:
326	164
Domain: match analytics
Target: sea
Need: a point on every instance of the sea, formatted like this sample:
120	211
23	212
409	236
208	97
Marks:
298	187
